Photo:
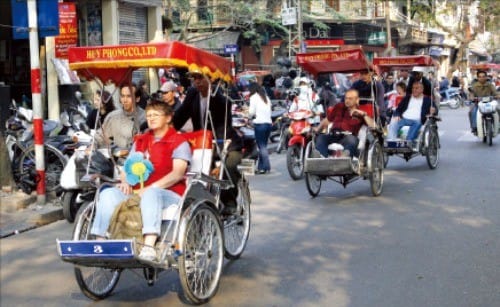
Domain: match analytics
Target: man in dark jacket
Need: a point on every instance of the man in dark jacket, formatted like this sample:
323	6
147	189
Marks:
411	111
194	107
418	76
366	85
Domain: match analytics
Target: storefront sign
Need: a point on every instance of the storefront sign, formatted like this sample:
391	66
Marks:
68	29
47	17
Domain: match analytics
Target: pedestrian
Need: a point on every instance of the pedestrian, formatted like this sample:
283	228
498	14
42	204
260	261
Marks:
260	107
103	103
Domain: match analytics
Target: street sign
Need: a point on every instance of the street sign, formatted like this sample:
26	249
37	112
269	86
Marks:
47	17
230	49
289	16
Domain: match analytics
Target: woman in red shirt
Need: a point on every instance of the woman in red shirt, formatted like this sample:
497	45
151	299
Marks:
170	155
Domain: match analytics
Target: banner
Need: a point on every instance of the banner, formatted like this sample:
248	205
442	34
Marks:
68	30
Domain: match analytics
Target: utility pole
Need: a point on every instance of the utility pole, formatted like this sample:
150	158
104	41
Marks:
292	17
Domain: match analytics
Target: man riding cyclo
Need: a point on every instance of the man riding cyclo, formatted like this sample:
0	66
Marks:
345	117
481	88
412	111
194	108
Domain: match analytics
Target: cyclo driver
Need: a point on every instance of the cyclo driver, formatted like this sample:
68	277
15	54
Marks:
194	107
345	117
481	88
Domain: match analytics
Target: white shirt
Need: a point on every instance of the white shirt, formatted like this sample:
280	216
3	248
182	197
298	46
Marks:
260	109
414	108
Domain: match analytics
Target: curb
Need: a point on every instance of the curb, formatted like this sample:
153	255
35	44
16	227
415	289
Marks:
31	217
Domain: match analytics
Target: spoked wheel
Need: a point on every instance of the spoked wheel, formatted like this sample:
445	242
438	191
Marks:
200	264
294	163
96	283
432	148
237	226
313	182
489	132
54	165
376	156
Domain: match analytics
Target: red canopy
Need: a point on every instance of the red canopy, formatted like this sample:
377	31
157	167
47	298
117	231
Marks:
344	61
486	66
113	62
402	62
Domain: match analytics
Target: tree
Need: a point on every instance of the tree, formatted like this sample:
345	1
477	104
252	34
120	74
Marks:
465	26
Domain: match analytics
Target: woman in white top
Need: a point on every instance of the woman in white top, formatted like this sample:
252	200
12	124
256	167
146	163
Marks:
260	107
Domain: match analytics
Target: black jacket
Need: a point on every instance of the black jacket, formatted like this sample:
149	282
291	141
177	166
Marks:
220	110
426	107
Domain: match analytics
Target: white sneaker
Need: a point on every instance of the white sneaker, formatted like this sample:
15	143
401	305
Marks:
148	253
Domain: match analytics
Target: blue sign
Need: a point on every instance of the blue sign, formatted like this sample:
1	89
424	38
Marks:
230	49
47	18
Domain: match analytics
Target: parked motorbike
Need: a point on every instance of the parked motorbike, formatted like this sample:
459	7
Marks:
300	136
75	181
21	150
487	119
451	97
276	118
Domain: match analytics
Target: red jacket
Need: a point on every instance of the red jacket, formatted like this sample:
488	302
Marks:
342	120
160	155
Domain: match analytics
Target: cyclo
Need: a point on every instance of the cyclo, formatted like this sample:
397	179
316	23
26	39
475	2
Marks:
344	169
195	237
428	139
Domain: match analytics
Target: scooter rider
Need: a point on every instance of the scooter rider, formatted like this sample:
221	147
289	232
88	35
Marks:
481	88
307	100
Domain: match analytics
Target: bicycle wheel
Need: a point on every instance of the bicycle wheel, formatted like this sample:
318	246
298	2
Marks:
54	165
376	157
237	226
294	163
432	148
200	264
313	182
96	283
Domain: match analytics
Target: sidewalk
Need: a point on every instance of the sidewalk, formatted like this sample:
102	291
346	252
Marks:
19	213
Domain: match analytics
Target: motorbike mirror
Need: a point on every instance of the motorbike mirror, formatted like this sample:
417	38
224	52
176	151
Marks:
120	152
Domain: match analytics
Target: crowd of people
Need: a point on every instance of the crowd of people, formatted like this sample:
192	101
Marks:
149	124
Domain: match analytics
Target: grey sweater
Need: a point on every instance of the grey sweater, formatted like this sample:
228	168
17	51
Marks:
121	127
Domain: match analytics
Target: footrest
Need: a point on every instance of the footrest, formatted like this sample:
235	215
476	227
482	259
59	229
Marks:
398	146
329	166
105	249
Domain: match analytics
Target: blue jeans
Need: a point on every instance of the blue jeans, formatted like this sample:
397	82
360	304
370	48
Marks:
262	132
412	132
153	201
473	116
350	142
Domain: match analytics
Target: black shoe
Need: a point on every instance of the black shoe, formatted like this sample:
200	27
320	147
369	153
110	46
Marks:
474	131
261	172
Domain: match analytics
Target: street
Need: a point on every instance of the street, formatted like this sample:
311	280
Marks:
431	239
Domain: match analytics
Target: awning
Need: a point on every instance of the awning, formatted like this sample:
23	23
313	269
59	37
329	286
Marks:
401	62
211	41
335	61
113	62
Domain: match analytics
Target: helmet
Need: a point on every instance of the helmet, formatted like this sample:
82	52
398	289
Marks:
305	80
418	69
99	164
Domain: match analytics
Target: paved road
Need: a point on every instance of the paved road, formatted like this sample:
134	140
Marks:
430	239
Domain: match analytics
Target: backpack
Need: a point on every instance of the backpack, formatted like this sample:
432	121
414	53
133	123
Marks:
126	221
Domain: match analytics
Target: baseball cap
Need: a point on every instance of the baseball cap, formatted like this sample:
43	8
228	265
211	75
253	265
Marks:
418	69
169	86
